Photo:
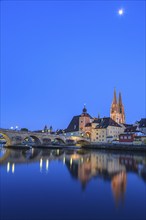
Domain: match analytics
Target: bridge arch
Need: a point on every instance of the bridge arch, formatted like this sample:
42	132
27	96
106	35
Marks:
46	141
32	138
7	138
59	140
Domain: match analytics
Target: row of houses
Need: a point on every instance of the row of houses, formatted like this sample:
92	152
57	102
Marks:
104	130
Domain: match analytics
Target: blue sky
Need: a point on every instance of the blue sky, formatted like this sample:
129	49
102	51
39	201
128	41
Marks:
58	55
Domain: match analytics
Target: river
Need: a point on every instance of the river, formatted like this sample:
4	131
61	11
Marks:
72	184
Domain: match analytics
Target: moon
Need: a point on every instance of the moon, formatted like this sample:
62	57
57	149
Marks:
121	12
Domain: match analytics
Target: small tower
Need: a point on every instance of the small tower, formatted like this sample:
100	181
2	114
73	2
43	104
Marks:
84	119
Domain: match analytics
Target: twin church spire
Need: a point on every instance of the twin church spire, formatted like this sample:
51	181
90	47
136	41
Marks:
117	112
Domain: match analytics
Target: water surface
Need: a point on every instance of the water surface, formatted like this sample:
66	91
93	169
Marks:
72	184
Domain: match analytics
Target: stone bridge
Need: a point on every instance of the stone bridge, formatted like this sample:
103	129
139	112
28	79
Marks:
14	137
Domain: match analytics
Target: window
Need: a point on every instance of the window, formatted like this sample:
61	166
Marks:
121	137
75	127
129	137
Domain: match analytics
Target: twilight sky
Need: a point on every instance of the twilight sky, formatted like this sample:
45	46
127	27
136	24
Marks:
58	55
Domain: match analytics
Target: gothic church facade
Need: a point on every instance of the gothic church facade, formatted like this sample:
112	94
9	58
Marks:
117	112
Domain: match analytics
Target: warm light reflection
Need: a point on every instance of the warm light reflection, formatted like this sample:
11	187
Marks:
64	160
13	168
75	156
47	164
70	161
41	164
57	151
8	167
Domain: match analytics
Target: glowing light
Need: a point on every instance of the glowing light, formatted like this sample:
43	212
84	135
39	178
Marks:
70	161
47	164
57	151
41	164
120	11
13	168
64	160
12	127
8	167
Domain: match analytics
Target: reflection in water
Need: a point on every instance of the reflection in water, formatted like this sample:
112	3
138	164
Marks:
47	164
118	185
64	160
41	164
13	168
84	165
8	167
70	161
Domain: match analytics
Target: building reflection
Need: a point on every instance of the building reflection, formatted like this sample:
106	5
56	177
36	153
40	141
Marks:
83	165
118	185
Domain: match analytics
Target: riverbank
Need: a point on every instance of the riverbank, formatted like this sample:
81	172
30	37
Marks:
119	147
105	146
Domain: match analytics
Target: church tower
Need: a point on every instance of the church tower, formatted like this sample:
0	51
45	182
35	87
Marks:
117	109
121	110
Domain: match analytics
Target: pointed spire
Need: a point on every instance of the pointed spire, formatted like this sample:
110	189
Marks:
84	109
120	98
115	97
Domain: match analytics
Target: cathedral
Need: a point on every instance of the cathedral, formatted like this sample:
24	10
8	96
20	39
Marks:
117	112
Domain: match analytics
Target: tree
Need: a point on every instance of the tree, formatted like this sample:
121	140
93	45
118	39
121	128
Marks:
24	129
